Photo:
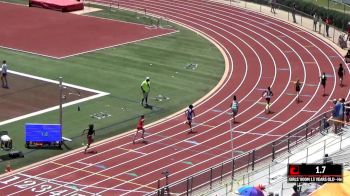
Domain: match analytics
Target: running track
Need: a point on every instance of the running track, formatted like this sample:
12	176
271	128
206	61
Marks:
259	51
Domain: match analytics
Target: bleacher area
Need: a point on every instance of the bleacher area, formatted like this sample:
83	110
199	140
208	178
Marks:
274	174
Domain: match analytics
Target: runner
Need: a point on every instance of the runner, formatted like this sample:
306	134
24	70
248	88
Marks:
4	75
267	94
234	108
190	115
90	136
323	82
140	127
341	72
297	89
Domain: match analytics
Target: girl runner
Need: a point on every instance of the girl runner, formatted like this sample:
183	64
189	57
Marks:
267	94
140	127
234	107
90	134
190	114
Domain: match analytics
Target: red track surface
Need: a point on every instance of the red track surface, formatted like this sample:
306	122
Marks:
57	35
261	51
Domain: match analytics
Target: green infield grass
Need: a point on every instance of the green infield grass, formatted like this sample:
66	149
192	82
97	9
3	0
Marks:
119	71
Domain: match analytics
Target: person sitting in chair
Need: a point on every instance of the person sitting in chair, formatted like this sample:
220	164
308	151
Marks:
5	142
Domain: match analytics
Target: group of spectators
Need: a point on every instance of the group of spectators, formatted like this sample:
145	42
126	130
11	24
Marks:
318	19
340	114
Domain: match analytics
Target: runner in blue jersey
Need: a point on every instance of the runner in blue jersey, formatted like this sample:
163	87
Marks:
190	115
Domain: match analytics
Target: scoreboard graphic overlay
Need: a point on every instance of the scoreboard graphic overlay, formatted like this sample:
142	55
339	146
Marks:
48	134
315	173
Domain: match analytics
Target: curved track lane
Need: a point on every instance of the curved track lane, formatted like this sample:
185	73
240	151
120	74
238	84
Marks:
259	51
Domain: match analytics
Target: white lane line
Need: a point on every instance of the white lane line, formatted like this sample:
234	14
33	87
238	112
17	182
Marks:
274	63
199	102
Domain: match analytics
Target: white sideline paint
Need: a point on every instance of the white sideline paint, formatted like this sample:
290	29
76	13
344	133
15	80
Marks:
98	94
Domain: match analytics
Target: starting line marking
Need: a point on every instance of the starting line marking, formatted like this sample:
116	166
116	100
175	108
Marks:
216	110
192	142
131	150
261	134
98	94
309	46
74	186
294	94
271	120
333	56
283	69
102	175
330	76
309	111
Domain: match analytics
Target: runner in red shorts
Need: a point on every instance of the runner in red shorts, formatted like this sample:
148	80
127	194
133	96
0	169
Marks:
140	127
90	136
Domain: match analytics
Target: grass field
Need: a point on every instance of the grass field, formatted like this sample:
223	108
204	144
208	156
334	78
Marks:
332	5
120	71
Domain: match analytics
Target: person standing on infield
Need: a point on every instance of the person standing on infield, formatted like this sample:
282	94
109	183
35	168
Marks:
145	88
267	94
323	83
190	115
4	75
140	127
341	72
90	136
234	108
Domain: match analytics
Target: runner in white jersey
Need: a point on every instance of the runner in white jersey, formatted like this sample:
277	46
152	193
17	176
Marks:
190	115
234	108
4	74
267	94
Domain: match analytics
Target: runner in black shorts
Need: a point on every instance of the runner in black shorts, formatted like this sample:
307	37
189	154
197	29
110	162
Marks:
267	94
89	136
297	89
4	74
341	72
190	114
323	82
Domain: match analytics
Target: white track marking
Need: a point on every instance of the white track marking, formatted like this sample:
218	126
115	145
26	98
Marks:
116	45
98	94
198	103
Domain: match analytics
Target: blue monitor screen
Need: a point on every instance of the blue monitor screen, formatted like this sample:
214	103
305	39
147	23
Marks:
43	132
